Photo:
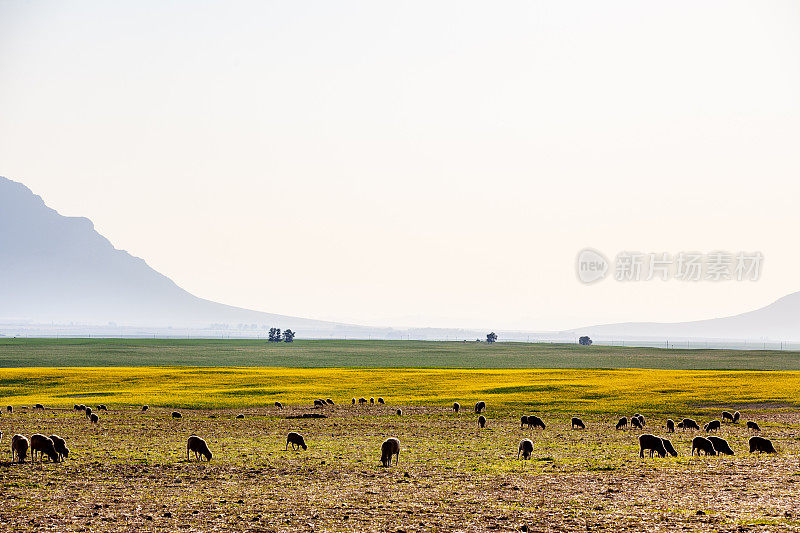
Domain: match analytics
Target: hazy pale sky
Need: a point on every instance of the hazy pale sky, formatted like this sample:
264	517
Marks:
416	163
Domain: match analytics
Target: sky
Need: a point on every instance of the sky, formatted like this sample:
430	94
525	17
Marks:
417	163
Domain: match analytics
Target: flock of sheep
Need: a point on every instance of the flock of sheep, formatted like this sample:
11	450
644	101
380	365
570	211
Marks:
55	447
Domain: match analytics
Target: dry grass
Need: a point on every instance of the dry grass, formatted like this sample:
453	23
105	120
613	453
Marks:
130	473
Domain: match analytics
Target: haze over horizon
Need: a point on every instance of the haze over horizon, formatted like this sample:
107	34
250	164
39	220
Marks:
412	165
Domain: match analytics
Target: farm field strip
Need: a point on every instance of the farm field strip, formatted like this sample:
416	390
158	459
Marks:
373	354
130	472
560	390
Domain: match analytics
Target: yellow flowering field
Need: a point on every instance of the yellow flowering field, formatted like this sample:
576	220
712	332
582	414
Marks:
583	390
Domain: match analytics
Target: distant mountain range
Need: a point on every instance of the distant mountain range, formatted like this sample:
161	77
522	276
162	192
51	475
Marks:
57	269
779	320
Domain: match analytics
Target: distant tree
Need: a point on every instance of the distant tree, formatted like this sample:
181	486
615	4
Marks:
288	335
274	335
491	337
585	341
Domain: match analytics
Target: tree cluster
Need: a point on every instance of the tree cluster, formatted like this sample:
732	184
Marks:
275	335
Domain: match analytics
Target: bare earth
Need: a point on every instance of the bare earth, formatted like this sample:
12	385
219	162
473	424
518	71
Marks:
130	472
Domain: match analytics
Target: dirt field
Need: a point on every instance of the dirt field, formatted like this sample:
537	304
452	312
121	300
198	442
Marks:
130	472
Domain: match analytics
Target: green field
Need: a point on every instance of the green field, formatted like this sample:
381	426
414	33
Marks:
374	354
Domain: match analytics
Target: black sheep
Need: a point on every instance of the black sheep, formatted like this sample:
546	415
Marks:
704	445
760	444
652	444
721	445
668	446
535	421
688	423
525	448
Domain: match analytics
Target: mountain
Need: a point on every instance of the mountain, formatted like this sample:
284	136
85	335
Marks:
57	269
779	320
60	269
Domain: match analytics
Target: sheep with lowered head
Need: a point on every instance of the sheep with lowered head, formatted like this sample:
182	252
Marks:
43	445
199	447
525	448
19	447
390	447
61	446
296	440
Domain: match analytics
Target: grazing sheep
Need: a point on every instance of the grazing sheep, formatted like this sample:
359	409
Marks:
482	421
102	407
43	445
81	407
87	412
329	401
480	407
76	407
714	425
670	426
319	403
371	400
279	405
240	415
523	421
296	440
752	425
145	408
535	422
704	445
94	418
641	419
680	425
652	444
721	445
354	401
525	448
727	416
19	447
61	446
176	414
578	423
390	447
635	422
9	408
399	412
380	400
736	416
760	444
199	447
623	422
39	406
456	406
362	401
688	423
668	446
